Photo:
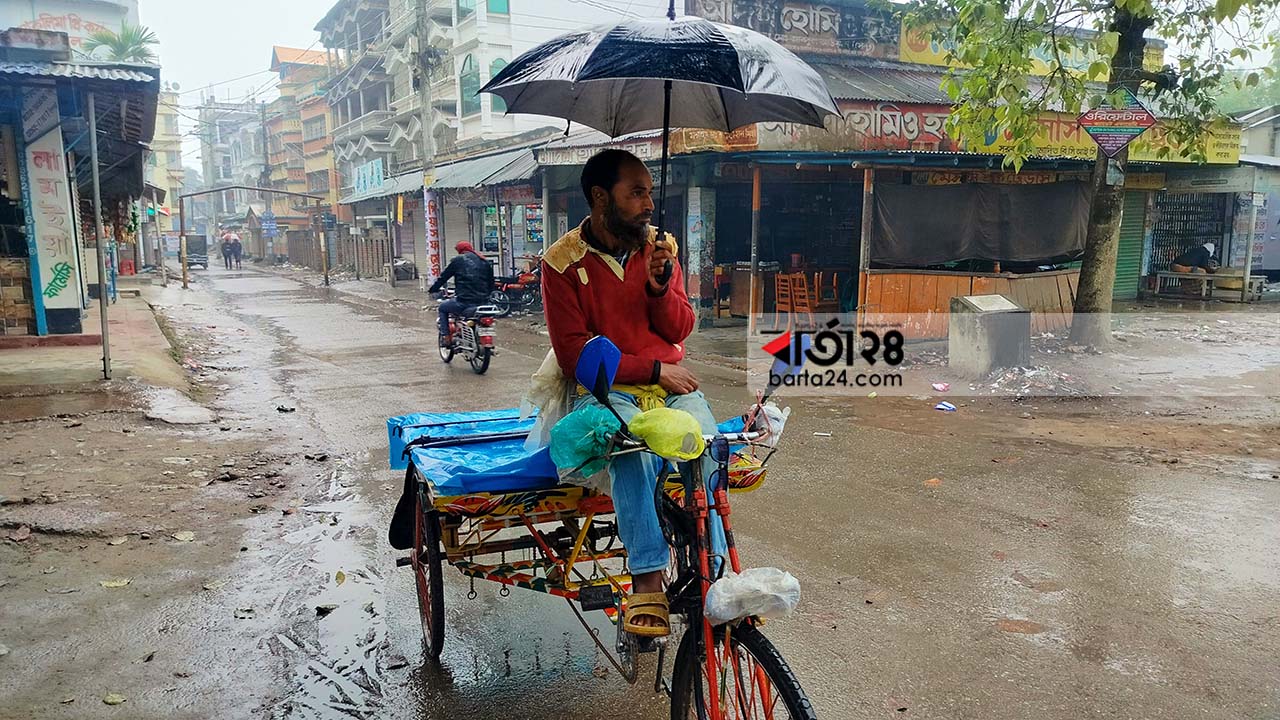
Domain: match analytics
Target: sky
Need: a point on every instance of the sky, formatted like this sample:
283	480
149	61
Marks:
202	43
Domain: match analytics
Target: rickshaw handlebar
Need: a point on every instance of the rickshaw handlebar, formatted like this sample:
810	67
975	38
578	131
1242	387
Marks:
626	442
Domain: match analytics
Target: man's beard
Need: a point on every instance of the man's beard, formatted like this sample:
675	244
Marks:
631	235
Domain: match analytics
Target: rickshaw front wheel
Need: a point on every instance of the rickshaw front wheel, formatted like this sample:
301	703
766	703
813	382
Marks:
428	576
753	680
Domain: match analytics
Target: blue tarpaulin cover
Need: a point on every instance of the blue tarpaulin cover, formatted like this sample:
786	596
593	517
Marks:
461	467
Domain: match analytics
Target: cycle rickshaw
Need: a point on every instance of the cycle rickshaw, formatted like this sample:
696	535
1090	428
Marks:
495	511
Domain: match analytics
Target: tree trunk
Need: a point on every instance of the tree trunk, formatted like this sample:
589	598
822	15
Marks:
1091	322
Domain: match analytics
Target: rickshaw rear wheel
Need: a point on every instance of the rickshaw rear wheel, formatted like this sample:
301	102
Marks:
428	576
770	688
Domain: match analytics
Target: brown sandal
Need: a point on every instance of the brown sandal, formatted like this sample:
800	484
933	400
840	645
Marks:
647	605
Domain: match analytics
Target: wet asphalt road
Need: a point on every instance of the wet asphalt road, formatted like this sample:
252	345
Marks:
1049	585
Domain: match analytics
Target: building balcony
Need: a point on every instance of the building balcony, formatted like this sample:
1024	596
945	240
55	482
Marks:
441	10
375	124
406	105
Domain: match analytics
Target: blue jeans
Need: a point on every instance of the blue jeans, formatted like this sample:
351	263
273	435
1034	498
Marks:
634	477
451	307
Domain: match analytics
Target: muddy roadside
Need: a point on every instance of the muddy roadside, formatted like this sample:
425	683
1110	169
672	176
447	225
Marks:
135	527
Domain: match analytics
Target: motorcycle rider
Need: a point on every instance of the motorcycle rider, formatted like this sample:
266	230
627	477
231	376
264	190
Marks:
472	283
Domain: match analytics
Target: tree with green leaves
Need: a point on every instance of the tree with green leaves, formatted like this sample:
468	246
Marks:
132	43
1013	61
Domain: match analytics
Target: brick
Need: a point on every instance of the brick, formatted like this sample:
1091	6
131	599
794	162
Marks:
10	292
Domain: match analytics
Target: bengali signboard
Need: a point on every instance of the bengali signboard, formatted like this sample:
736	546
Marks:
871	126
1113	128
919	46
432	217
369	177
53	223
812	27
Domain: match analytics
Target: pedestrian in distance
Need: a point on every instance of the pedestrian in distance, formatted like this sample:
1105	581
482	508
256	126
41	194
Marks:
237	250
226	251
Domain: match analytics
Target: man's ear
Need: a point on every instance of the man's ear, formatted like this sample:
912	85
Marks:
598	194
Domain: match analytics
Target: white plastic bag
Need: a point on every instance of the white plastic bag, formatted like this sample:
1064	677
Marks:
548	393
763	592
770	419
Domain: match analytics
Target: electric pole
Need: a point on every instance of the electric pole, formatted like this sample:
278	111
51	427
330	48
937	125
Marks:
426	63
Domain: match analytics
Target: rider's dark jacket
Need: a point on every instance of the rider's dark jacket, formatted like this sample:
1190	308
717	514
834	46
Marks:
472	278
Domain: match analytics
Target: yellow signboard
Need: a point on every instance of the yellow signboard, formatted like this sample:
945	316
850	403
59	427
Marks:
916	46
1060	136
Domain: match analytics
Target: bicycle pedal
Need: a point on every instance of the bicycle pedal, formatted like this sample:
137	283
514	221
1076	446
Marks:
404	561
596	597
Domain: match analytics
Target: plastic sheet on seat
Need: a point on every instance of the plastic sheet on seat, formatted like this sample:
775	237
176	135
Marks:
404	429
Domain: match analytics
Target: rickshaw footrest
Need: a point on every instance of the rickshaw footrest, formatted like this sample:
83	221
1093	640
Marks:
596	597
405	561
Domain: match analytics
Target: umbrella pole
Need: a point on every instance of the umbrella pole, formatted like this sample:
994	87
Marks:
662	187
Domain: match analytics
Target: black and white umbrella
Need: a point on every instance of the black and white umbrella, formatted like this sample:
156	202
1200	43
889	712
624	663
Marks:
679	72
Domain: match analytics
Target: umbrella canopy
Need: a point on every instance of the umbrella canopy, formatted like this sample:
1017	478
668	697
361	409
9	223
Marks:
612	78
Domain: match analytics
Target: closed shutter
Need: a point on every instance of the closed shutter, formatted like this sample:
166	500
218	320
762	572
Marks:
1129	256
455	231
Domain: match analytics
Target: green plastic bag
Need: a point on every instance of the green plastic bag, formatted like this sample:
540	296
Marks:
581	437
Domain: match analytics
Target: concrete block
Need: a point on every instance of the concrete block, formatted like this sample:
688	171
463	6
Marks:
987	332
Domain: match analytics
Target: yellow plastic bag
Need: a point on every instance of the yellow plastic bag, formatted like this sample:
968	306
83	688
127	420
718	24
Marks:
670	433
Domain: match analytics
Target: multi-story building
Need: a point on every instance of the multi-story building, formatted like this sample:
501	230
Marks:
405	76
164	166
231	153
299	71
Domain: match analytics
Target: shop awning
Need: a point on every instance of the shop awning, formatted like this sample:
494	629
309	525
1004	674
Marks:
406	183
884	81
520	170
475	172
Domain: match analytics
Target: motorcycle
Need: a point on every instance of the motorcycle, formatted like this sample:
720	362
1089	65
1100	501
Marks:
473	337
517	292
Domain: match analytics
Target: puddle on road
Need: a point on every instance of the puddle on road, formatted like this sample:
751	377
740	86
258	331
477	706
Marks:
170	406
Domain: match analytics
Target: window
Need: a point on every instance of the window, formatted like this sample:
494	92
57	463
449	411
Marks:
470	81
172	157
313	129
501	7
170	124
499	105
466	8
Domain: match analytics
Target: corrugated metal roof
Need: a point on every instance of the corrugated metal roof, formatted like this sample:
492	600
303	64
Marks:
519	170
474	172
408	182
74	71
883	81
1261	160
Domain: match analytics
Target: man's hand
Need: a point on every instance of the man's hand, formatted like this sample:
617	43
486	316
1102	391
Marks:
657	265
676	380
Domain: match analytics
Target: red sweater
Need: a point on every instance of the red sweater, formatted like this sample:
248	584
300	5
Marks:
587	293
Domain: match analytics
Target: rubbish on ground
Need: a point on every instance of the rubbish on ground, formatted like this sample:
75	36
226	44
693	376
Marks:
285	409
150	656
872	394
246	613
49	570
184	536
822	434
945	407
4	650
395	662
114	699
941	386
933	482
318	457
22	534
322	610
61	591
340	577
214	584
288	511
115	582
